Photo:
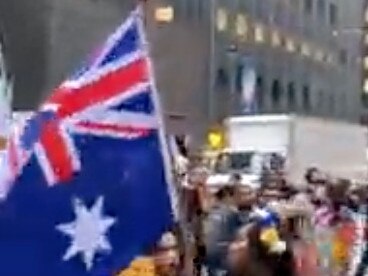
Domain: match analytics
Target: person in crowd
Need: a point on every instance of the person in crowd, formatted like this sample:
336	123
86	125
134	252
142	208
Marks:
166	256
220	228
257	248
222	164
361	249
196	204
246	198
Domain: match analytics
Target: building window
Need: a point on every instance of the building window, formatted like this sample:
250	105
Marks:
290	45
364	99
330	58
222	79
276	92
321	102
332	104
326	57
200	8
366	15
259	33
365	86
221	19
343	57
306	98
365	63
294	4
319	55
276	39
259	91
306	51
291	96
241	25
308	6
342	105
332	14
321	9
164	14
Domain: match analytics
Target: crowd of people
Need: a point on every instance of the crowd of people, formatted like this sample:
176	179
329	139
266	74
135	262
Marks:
278	229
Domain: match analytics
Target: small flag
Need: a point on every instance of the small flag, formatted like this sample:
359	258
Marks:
89	191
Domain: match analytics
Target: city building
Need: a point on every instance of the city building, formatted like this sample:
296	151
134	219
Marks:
304	56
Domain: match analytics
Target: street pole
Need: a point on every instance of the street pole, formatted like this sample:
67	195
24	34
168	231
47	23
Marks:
212	64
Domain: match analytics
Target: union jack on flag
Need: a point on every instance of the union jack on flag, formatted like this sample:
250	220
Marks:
108	97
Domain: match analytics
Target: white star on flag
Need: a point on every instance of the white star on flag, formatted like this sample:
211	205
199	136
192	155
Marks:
87	232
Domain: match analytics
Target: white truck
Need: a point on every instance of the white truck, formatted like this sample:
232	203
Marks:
293	142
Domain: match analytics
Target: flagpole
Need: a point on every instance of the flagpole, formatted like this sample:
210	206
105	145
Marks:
170	172
157	103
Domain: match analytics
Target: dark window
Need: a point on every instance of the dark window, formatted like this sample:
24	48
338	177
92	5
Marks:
291	95
201	8
365	101
321	101
321	8
308	6
332	104
222	78
276	92
259	91
239	77
342	104
343	57
261	8
306	98
332	14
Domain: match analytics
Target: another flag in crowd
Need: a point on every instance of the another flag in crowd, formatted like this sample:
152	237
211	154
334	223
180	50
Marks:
88	193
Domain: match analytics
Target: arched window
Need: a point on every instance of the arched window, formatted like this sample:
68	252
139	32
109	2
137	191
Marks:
291	95
306	98
276	92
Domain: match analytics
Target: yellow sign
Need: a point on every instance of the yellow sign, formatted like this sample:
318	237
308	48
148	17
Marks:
140	267
216	139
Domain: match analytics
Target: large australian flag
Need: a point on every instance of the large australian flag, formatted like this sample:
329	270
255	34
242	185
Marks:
85	190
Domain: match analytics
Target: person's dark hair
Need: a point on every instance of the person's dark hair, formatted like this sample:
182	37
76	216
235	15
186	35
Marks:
310	174
236	177
289	192
225	192
180	141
